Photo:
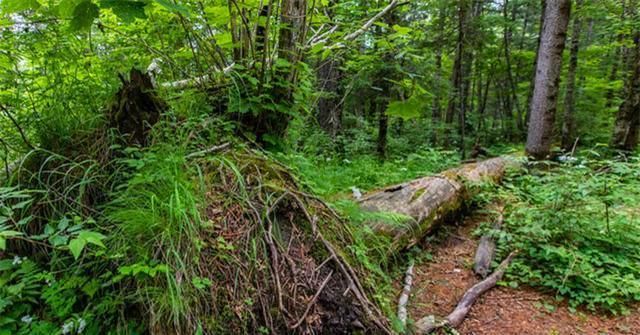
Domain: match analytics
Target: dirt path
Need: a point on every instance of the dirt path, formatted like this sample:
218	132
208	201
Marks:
439	283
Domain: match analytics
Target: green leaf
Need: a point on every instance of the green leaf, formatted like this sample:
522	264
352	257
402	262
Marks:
76	246
127	10
407	109
3	243
66	7
83	15
401	30
174	8
13	6
92	237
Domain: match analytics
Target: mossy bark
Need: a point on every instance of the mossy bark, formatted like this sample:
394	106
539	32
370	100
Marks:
429	201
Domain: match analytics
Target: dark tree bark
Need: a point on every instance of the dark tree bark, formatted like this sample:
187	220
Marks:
618	54
136	108
543	6
568	123
512	97
545	92
461	79
436	108
383	127
627	124
329	110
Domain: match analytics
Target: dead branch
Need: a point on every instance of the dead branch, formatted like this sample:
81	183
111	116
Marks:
213	149
363	29
404	296
430	323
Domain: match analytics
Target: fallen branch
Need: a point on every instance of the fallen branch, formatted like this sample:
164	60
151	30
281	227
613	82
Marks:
430	323
404	296
487	248
154	70
350	37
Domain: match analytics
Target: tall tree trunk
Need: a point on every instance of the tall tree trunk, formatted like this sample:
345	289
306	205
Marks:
513	98
627	124
543	6
549	64
329	111
620	50
436	108
568	123
383	126
457	76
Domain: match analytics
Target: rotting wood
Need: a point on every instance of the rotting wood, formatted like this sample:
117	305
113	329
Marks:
430	323
487	248
428	201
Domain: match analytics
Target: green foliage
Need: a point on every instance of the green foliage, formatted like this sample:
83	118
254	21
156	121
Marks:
83	15
576	228
337	175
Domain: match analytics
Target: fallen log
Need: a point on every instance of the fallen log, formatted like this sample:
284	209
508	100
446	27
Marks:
428	201
430	323
487	249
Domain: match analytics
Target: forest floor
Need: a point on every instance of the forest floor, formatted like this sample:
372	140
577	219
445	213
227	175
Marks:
441	281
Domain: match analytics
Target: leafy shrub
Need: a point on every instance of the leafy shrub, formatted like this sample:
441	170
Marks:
577	228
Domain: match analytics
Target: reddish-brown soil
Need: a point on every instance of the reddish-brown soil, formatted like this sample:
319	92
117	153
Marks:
440	282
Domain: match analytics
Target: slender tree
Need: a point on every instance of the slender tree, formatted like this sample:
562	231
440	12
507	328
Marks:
568	120
545	91
627	124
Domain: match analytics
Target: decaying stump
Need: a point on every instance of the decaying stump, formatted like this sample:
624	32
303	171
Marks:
428	201
136	108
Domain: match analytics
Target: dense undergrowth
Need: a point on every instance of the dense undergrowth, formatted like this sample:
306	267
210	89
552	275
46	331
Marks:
577	228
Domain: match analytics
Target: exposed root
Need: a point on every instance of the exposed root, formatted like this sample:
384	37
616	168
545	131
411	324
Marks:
430	323
276	247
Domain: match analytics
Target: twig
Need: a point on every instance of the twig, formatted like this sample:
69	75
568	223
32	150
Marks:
17	125
312	302
575	144
211	150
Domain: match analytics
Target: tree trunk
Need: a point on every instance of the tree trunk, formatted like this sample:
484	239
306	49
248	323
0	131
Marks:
620	50
429	201
329	111
627	124
543	6
568	124
545	92
436	109
436	106
383	126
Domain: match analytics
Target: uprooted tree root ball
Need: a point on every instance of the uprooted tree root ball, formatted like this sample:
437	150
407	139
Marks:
270	252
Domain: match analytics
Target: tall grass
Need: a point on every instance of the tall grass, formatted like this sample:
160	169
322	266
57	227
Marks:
157	221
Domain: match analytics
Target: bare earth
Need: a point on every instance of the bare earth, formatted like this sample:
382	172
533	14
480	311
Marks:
438	284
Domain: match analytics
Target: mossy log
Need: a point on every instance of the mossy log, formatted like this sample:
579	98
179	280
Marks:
428	201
